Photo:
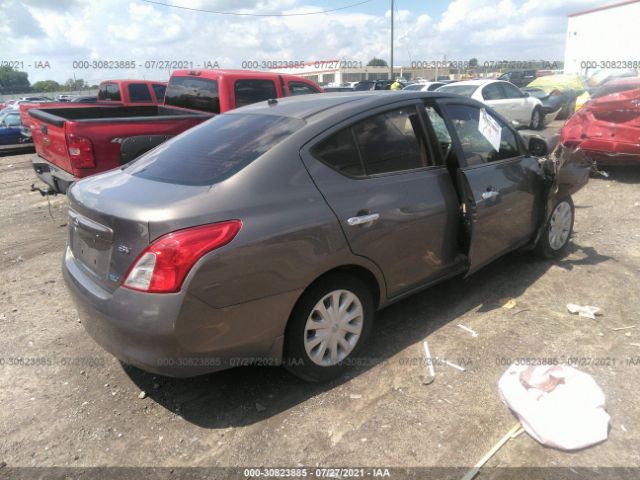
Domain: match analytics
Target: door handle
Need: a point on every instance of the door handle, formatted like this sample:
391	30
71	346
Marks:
489	194
362	219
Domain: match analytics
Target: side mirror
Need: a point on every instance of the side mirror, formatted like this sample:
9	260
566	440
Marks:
537	147
526	94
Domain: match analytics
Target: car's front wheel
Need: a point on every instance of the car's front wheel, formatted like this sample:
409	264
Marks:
536	119
554	239
328	328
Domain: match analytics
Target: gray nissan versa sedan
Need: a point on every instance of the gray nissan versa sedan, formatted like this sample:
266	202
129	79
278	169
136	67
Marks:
272	233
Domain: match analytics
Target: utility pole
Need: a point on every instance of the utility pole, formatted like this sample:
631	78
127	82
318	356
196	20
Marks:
391	63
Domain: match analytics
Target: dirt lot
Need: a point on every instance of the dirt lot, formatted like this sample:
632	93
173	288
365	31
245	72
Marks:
70	404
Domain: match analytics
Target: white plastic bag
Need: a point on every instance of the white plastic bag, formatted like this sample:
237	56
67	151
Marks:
559	406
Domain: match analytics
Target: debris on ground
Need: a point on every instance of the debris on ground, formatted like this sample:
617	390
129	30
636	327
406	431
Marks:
559	406
430	376
508	303
513	433
453	365
584	310
142	394
623	328
471	331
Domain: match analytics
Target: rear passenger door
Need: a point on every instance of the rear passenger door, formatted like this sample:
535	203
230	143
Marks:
501	187
395	201
521	109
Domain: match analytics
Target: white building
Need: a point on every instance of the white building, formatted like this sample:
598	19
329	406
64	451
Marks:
336	71
604	38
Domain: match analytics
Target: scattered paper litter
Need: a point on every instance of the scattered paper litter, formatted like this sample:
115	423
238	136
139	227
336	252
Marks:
457	367
431	373
508	303
584	310
623	328
472	332
558	406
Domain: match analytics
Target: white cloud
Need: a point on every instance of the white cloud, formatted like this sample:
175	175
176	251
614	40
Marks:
132	29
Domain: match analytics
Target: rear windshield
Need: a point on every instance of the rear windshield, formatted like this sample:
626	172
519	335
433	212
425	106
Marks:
215	150
464	90
193	92
611	89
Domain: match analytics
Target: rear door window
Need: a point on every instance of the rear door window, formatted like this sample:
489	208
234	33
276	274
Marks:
511	91
193	92
492	92
392	142
139	93
109	91
300	88
214	150
252	91
475	146
340	153
159	91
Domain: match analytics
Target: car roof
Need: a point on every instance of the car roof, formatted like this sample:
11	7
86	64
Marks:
124	82
476	83
215	73
623	81
316	107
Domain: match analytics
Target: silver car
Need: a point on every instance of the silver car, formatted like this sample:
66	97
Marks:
271	234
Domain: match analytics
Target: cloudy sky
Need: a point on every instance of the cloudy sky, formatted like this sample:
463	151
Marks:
63	31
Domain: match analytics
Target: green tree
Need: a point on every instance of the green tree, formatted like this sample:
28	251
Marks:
46	86
13	81
73	84
377	62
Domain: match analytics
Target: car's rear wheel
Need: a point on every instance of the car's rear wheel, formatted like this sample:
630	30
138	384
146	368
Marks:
536	119
554	239
328	328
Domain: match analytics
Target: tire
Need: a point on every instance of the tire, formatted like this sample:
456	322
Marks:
303	349
554	240
537	119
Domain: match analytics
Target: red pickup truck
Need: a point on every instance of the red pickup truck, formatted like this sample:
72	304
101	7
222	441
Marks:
73	143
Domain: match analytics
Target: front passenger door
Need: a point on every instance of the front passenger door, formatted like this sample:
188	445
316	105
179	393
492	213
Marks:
502	189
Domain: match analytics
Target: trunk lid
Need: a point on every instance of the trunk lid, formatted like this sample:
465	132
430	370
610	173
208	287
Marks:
114	216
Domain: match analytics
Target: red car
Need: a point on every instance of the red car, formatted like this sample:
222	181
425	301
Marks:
607	127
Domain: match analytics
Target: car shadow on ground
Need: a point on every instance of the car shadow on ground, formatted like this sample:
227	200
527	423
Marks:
247	395
10	150
621	174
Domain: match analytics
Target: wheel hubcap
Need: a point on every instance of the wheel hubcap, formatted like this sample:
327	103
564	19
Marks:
333	328
560	225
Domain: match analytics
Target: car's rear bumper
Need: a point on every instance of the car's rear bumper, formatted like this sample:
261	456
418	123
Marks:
178	335
59	180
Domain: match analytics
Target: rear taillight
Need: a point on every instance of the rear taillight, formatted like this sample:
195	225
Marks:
81	152
556	93
163	265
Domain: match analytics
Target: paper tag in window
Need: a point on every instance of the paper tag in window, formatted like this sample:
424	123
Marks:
490	129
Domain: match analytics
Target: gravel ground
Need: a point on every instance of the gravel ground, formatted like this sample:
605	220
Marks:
67	403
